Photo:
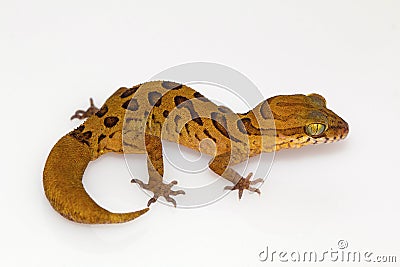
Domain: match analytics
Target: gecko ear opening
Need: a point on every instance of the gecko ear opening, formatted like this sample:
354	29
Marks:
318	99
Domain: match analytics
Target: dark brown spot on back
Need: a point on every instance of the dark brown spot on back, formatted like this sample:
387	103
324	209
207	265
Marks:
101	137
200	97
219	122
183	102
158	103
266	111
179	100
130	91
165	113
177	118
154	98
241	126
171	85
87	134
197	137
187	128
246	127
131	105
224	109
207	133
110	121
102	111
80	128
81	137
199	121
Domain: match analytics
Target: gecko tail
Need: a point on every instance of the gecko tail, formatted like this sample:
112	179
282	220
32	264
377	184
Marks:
62	182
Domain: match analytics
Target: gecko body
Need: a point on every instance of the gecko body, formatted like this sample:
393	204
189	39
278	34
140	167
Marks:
137	119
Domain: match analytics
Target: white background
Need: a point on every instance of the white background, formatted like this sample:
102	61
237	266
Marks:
54	55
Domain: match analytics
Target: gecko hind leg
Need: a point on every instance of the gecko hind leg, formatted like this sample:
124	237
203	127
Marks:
81	114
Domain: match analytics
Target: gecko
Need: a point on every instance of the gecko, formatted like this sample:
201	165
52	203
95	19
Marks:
137	120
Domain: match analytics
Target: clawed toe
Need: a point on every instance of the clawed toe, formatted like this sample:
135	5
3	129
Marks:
178	192
256	190
171	200
151	201
228	187
174	182
256	181
137	181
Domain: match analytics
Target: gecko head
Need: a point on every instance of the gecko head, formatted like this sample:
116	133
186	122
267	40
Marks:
304	119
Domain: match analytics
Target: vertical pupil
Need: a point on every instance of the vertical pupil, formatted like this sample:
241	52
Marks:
319	128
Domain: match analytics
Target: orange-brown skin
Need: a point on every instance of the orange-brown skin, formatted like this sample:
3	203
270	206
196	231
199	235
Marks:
135	120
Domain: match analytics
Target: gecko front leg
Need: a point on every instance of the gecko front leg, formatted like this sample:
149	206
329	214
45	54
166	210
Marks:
221	166
155	167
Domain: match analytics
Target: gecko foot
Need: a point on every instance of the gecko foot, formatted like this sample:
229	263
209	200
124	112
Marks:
244	183
81	114
160	189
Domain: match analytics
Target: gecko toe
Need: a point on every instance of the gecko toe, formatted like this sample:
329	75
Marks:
240	193
78	115
137	181
171	200
178	192
228	187
256	190
171	184
151	201
248	176
256	181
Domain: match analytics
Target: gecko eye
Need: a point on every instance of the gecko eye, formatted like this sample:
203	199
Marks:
315	129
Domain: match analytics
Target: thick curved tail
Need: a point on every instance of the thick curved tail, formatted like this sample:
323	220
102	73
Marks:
62	181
